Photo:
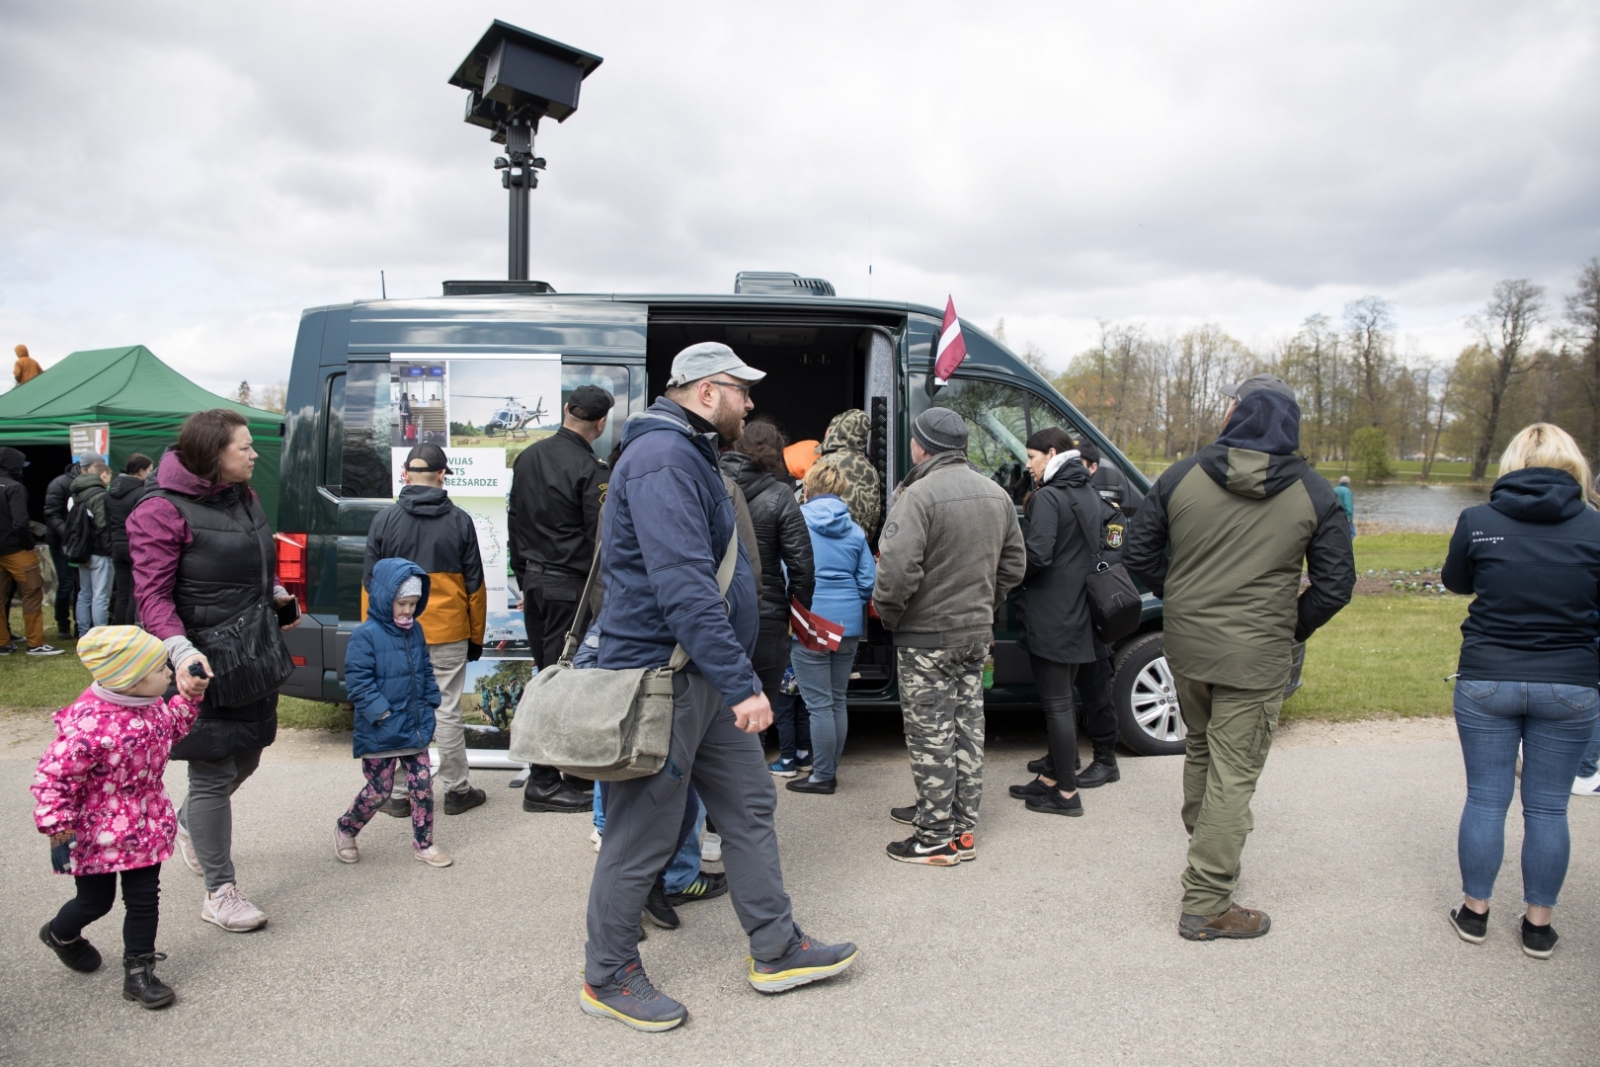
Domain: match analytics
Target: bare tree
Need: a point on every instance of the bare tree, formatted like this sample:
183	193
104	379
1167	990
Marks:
1516	307
1583	333
1438	425
1369	323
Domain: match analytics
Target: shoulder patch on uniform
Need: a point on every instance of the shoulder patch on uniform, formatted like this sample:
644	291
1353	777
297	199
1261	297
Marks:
603	487
1114	535
890	529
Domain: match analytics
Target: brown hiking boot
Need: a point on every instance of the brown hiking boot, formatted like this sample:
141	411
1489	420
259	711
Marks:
1235	922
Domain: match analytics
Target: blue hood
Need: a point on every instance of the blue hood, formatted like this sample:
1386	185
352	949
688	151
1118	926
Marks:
665	416
1266	422
828	516
1537	494
386	578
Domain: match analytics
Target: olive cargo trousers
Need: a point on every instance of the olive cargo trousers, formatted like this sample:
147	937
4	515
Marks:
1230	733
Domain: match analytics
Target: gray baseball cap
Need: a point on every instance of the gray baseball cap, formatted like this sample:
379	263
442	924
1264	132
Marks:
1256	383
708	358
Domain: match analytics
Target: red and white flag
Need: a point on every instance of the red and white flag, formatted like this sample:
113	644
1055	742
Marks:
813	631
952	346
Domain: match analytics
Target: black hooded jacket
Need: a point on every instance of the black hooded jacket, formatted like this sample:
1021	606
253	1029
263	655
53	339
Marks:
56	495
122	495
15	533
1531	557
1053	598
781	536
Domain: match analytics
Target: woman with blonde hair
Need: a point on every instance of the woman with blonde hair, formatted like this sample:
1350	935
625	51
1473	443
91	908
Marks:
1529	672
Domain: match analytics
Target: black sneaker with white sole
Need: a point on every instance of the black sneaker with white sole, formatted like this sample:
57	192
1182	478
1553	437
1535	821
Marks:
913	851
966	846
1538	941
1469	925
46	650
905	814
707	885
658	911
462	800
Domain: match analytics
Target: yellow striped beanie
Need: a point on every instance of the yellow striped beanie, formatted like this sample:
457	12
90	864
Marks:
119	656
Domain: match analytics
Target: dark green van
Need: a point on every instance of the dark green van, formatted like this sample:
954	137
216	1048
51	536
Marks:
483	370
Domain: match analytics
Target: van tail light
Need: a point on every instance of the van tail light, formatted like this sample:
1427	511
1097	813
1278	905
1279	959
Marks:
292	565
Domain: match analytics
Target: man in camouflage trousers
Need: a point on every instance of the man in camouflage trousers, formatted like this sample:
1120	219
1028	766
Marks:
950	552
844	447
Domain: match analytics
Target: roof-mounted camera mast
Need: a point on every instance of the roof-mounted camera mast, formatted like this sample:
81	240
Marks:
513	79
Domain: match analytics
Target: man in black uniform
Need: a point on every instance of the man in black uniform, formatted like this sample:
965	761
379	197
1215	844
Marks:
557	486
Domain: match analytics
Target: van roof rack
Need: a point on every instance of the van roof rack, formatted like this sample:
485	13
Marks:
497	285
780	283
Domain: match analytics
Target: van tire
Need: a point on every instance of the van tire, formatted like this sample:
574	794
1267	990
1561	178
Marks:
1140	675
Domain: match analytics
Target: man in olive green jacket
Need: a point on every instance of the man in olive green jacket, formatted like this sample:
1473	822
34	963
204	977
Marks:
1241	515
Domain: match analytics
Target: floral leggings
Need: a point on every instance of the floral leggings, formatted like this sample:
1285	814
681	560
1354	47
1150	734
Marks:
380	780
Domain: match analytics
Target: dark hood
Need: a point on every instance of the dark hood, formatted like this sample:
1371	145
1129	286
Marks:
386	578
752	480
664	416
1254	457
12	461
1264	422
425	501
1537	494
123	484
85	484
846	433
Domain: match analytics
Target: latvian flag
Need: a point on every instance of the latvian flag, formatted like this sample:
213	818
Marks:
813	631
952	346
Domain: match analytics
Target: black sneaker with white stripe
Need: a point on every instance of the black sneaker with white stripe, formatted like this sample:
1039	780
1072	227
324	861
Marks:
913	851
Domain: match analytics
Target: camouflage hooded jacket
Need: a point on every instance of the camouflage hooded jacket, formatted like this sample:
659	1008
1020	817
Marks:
845	447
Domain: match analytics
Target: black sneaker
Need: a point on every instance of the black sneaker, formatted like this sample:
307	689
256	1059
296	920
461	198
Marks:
8	648
1053	803
658	911
1043	765
399	807
966	846
905	814
1469	925
1035	788
79	954
807	962
1538	941
913	851
140	984
706	885
458	801
630	998
811	785
1099	773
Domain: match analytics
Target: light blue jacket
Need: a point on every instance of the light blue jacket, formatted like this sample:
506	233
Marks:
845	570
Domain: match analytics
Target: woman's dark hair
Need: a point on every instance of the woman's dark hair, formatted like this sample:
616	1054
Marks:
136	463
1051	437
763	442
203	437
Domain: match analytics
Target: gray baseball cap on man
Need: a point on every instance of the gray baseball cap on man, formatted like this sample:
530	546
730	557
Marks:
708	358
1256	383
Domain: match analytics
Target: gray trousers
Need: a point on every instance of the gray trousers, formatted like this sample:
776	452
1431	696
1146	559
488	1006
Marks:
207	812
450	672
643	816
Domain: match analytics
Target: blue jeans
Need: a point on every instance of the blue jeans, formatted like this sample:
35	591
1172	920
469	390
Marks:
824	678
94	593
1553	724
1591	755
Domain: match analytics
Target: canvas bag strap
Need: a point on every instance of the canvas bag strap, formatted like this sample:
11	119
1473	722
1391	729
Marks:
730	559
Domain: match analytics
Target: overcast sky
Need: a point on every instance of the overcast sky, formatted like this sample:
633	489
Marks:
191	176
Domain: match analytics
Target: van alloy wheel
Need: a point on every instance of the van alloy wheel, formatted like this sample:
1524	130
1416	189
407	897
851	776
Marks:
1145	696
1155	702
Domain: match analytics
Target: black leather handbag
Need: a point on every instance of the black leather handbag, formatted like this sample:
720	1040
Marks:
1114	602
248	656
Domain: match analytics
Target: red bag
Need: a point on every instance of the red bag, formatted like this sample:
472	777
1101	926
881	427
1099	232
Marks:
813	631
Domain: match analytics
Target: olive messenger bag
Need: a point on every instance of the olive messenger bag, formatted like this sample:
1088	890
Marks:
1114	601
600	724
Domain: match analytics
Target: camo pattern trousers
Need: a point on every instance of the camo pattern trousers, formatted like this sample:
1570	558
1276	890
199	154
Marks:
941	698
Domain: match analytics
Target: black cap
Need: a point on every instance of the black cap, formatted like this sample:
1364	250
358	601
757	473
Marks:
589	402
1087	452
11	459
431	458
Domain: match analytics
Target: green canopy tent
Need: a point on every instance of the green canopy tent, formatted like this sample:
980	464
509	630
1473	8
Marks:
143	399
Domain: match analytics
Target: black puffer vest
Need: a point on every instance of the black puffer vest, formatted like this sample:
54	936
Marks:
226	568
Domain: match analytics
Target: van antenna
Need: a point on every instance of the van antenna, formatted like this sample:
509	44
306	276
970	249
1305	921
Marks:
383	285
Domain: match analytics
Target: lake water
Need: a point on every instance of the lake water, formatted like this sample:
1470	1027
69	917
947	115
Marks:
1432	508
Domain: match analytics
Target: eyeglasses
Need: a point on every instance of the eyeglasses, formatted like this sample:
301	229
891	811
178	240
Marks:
745	389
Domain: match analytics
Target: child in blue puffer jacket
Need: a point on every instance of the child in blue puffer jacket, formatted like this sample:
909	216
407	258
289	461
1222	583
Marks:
389	677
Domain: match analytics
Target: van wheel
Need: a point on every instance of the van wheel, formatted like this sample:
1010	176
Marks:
1146	699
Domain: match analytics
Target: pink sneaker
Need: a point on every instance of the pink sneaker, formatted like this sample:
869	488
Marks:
229	909
433	856
345	848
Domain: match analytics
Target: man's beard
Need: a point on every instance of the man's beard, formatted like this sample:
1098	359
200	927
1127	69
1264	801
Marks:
728	417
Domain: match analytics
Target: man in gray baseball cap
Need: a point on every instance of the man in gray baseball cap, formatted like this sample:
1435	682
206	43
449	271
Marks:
711	382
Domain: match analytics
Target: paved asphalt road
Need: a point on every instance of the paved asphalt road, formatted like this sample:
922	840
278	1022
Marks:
1057	946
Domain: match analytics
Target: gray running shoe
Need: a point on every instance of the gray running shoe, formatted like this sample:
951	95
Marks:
629	998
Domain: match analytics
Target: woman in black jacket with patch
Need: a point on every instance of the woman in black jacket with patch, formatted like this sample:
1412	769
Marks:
1529	674
1053	601
756	464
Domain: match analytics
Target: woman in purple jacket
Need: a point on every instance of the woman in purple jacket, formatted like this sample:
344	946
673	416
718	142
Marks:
202	554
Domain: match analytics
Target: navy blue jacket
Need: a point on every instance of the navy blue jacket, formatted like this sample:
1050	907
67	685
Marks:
387	671
1532	557
668	518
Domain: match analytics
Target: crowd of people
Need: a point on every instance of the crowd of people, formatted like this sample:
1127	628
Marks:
709	538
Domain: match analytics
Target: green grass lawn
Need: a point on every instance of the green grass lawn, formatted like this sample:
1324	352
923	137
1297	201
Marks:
1381	655
1400	552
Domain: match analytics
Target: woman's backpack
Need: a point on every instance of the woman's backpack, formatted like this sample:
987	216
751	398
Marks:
77	544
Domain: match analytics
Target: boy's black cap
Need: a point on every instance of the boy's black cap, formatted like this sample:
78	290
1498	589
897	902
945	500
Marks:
431	458
589	402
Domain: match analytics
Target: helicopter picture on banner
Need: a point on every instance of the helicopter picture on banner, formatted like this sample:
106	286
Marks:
511	417
503	403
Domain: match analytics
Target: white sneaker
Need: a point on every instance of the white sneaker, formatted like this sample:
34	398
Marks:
46	650
229	909
1587	787
433	856
186	851
594	839
344	847
711	848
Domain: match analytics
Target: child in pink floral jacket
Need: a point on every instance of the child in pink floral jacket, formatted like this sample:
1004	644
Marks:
101	801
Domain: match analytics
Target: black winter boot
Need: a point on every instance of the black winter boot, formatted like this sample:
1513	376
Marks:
79	955
140	983
548	791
